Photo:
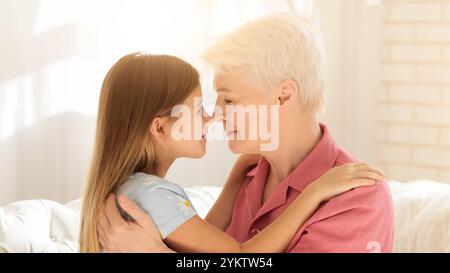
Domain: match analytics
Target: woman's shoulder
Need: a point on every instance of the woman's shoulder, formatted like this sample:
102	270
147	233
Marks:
140	182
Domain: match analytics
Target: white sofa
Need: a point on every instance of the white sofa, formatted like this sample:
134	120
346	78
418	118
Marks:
422	219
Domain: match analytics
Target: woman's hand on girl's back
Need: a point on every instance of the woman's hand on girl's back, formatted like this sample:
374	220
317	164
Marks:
117	235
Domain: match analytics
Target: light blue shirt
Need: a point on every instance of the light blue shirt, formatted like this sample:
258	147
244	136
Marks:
166	203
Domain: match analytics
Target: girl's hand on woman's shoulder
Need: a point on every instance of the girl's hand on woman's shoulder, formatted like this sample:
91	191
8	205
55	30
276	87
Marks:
344	178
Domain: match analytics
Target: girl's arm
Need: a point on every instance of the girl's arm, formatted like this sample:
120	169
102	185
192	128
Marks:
196	235
220	213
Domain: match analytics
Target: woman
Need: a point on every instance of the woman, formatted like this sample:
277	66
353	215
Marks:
135	147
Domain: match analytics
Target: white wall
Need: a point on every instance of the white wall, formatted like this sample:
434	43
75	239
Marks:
54	55
352	29
47	115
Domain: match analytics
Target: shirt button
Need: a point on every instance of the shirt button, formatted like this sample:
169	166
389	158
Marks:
255	231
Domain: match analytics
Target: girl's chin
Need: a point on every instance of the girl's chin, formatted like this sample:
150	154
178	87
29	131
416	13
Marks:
241	147
198	155
235	147
200	150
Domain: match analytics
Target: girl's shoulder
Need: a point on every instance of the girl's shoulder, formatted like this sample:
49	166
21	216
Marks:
139	182
165	202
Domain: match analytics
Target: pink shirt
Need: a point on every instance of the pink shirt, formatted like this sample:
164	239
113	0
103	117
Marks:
360	220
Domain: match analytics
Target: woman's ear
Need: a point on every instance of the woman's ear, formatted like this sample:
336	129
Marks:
287	94
157	128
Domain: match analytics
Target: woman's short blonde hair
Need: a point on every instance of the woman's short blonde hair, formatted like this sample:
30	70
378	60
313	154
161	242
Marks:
273	49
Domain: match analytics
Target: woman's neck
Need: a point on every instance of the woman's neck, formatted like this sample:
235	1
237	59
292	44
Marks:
295	145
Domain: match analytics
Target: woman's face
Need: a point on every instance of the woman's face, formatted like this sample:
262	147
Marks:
248	127
188	127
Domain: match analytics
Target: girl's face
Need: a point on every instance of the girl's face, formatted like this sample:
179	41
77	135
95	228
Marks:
188	127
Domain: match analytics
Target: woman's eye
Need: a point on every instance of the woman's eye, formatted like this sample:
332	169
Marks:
228	101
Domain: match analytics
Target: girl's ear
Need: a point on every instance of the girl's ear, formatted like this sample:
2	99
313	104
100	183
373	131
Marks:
287	94
156	128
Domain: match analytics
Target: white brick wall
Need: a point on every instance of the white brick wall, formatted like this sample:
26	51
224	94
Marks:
396	113
414	93
412	134
433	32
416	53
435	157
414	12
398	73
433	73
445	137
404	172
447	12
414	99
438	115
447	54
446	95
398	32
395	153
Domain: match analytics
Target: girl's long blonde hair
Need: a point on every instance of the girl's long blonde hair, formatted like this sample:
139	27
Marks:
137	89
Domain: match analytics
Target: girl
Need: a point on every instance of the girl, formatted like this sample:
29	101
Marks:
135	147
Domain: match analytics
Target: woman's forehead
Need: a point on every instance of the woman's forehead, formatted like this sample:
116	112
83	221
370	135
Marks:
223	81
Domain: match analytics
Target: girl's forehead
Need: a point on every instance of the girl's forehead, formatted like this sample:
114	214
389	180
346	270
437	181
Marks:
197	91
195	95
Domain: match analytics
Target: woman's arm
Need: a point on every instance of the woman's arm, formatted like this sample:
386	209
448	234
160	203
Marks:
220	213
197	235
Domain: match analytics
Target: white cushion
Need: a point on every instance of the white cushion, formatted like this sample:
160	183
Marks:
422	216
48	226
422	219
38	226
